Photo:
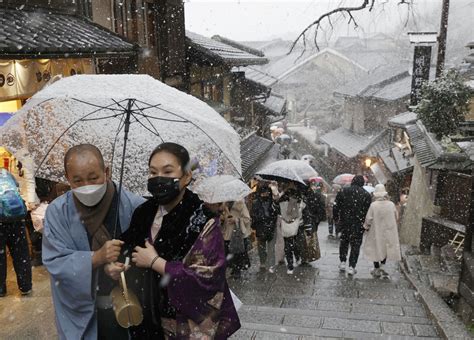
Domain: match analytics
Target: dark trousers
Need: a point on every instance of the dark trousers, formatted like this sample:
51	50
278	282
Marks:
351	236
13	235
291	248
377	264
108	327
330	224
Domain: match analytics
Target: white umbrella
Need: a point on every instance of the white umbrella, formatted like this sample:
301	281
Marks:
370	189
93	109
223	188
288	169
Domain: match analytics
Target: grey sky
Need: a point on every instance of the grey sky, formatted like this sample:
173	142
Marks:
264	19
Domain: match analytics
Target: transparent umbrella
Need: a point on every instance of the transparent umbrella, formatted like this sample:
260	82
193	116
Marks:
223	188
126	117
288	169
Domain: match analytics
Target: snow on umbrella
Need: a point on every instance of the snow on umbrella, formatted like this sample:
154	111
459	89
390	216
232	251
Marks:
369	189
288	169
343	179
94	109
223	188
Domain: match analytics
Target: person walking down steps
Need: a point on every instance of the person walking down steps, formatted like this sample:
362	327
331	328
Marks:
350	209
381	238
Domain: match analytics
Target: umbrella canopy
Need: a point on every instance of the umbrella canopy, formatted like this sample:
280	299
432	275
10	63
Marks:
316	179
343	179
288	169
223	188
91	109
4	116
369	189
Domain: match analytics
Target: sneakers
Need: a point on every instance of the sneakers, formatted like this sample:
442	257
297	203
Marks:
271	270
25	293
342	267
351	271
289	271
375	272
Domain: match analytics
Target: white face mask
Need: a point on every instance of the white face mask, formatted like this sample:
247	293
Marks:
90	195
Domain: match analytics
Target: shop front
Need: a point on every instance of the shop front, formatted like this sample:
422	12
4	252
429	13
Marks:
38	46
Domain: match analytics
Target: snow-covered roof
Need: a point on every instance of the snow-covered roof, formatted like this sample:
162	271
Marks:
275	103
258	76
389	83
27	32
224	53
395	161
307	60
402	119
350	144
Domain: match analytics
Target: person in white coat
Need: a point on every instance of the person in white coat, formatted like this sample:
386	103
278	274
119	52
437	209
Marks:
381	238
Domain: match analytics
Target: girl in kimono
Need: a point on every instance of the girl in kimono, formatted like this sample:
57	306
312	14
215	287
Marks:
179	255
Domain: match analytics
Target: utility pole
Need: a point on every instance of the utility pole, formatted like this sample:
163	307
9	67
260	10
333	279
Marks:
443	31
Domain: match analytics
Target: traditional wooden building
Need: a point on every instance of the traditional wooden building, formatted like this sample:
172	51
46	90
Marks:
156	26
42	39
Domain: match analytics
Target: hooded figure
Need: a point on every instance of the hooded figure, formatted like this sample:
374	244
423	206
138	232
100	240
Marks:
350	209
381	240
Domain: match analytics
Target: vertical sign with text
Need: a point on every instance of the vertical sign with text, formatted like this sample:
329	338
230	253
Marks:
421	72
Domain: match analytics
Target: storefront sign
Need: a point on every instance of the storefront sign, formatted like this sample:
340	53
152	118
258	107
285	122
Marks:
20	79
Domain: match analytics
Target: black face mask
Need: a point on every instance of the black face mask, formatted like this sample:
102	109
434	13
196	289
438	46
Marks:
164	189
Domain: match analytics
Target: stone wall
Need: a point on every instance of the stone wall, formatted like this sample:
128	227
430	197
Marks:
419	205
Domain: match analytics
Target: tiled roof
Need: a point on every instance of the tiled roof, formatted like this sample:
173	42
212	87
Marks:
253	150
275	103
350	144
402	119
39	33
222	52
421	145
395	161
258	76
239	45
374	81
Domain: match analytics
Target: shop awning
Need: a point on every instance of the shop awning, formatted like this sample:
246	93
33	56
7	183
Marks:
41	34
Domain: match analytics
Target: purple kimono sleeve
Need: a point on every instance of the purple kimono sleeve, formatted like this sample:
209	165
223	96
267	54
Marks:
196	281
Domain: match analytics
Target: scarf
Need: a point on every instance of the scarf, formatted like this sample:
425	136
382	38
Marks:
93	217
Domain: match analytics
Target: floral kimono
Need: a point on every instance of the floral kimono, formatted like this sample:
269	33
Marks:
192	300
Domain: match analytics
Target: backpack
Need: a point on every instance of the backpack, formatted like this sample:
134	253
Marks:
12	206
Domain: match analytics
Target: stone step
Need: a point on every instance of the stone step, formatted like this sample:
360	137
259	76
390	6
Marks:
287	323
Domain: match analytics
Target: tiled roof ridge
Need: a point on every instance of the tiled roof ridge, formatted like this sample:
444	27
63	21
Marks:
383	83
238	45
316	55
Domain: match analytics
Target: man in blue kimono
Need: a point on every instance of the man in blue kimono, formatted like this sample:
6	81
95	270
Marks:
80	247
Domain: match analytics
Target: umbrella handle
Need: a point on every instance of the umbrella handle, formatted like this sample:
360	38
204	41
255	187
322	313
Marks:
128	113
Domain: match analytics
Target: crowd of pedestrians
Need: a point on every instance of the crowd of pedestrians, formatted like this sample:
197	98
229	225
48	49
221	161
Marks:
180	246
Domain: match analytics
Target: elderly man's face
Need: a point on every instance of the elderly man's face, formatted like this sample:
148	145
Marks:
84	169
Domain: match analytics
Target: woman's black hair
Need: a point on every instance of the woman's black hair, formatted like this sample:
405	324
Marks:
177	150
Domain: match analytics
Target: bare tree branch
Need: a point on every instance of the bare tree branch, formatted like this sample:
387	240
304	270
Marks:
317	22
